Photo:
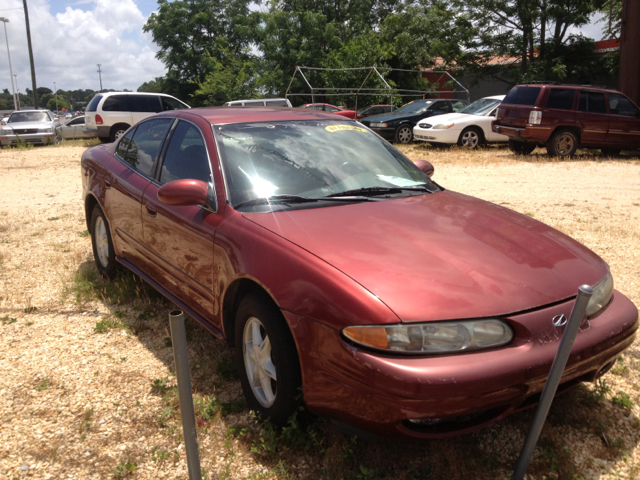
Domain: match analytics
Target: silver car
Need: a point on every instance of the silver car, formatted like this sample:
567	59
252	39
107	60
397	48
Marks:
30	126
72	129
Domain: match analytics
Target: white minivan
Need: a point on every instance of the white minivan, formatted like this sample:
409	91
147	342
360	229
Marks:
260	102
110	114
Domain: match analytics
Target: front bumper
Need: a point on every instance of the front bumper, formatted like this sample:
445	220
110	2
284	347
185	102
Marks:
448	135
33	138
458	393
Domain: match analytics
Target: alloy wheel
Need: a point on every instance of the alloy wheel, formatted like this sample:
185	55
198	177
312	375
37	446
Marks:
261	372
102	242
564	144
470	139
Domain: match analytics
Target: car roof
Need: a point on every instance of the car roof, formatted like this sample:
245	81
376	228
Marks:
223	115
565	85
104	94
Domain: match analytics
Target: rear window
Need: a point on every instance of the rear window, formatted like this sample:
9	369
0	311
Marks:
116	103
561	98
522	96
93	104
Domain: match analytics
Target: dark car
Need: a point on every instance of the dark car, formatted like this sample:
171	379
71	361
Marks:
375	110
331	262
397	126
565	117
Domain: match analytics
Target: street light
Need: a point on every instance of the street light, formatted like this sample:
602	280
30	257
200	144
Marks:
56	90
5	21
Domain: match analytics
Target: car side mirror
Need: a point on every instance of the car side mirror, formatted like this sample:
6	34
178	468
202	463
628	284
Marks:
425	167
188	192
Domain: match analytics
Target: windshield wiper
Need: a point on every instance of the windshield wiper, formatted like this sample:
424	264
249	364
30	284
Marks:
373	191
286	199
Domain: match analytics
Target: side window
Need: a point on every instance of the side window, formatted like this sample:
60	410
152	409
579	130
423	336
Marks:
116	103
328	108
458	106
561	98
146	143
592	102
169	103
186	156
123	146
93	104
144	103
277	103
621	105
77	121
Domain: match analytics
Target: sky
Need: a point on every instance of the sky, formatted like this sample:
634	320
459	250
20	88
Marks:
70	37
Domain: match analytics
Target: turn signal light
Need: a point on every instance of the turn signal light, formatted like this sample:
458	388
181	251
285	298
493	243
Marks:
372	336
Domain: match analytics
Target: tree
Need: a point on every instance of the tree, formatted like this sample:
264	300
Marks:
153	86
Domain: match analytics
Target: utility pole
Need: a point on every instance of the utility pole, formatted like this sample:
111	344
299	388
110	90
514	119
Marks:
13	89
100	75
34	93
56	90
629	46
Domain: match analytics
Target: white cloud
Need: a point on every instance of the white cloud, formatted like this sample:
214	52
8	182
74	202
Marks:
68	46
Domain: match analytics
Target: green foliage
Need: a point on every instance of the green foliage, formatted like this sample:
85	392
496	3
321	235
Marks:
7	320
44	384
108	324
124	468
623	400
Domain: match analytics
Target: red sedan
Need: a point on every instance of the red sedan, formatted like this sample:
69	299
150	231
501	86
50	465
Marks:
325	107
330	261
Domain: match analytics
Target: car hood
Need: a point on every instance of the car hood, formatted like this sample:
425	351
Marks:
448	117
388	117
443	255
21	125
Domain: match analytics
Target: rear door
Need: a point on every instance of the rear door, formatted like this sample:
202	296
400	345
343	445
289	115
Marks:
115	109
592	117
624	122
179	239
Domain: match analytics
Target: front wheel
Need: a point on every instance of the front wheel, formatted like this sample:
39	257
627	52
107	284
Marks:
404	134
267	359
103	251
521	148
563	143
471	138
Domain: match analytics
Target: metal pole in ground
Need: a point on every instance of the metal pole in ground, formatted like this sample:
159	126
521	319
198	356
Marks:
550	388
181	358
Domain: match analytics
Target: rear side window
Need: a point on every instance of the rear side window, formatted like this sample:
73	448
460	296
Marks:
592	102
621	105
93	104
277	103
169	103
522	96
144	103
145	144
186	156
116	103
561	98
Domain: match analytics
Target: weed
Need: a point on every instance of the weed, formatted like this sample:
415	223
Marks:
620	368
622	401
599	392
165	414
30	309
159	386
44	384
51	219
28	324
107	324
84	285
167	342
267	442
83	233
6	320
529	214
118	314
124	468
160	455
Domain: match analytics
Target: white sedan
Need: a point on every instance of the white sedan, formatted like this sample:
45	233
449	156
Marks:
72	129
469	127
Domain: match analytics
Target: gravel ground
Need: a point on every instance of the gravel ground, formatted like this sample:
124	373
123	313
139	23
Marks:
86	384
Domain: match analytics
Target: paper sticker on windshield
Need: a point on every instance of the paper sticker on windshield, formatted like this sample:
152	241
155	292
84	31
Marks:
339	128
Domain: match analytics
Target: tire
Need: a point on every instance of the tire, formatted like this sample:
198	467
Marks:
404	134
563	144
269	372
117	131
471	138
521	148
103	251
610	152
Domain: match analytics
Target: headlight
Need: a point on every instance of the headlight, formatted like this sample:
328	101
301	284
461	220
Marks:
45	130
443	126
602	293
433	337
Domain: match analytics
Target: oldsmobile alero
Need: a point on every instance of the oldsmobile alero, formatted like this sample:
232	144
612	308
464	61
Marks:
331	261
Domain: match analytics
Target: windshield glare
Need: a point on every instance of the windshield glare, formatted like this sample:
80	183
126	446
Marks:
481	107
29	117
311	159
414	107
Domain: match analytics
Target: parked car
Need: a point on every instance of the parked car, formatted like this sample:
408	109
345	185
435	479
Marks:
375	110
470	127
265	102
4	119
333	263
110	114
72	129
563	118
398	125
325	107
31	126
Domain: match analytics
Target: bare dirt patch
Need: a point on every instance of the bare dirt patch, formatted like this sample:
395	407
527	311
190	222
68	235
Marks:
86	384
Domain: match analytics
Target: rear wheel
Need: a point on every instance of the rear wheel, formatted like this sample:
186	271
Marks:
117	131
404	134
471	138
267	358
102	244
563	143
521	148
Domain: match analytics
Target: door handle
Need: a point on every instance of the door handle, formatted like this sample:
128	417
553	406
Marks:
107	185
151	209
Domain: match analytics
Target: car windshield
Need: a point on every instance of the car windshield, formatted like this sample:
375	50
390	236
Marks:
481	107
311	159
29	117
414	107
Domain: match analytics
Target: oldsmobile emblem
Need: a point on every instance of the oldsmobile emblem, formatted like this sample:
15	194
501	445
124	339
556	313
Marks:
559	320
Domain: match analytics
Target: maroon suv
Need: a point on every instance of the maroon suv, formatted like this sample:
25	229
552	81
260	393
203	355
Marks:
565	117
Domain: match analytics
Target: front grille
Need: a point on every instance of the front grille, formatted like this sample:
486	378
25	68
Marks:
424	125
23	131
